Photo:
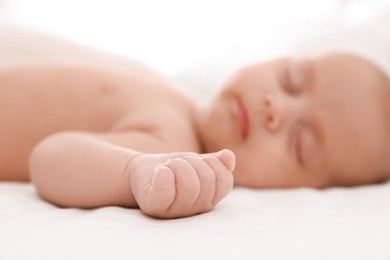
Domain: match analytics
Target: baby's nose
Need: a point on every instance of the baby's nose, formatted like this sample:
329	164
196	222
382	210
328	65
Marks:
275	113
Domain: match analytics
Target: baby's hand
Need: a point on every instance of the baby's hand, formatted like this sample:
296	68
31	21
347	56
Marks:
181	184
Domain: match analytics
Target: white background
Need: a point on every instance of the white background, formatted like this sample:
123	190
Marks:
166	34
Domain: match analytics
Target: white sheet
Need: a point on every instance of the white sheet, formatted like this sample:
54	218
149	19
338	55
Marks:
264	224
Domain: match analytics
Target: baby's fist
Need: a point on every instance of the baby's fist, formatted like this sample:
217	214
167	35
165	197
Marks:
182	184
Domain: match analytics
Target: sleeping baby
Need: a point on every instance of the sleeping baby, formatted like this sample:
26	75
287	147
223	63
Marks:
92	132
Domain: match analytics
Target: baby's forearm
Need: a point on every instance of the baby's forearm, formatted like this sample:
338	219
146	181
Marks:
77	170
73	169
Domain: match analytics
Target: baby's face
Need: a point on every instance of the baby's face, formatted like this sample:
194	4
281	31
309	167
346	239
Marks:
310	122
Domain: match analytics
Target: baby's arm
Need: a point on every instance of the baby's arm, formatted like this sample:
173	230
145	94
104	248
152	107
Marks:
84	170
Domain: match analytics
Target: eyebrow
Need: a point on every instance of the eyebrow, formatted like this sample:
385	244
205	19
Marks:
297	71
310	76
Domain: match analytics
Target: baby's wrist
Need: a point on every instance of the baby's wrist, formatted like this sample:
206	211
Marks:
131	166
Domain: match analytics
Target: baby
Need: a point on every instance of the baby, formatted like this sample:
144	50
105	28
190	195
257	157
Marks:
92	131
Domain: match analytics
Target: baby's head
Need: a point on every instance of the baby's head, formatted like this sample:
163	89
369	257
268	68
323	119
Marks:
316	122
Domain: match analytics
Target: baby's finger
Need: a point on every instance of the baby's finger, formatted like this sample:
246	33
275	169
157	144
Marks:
207	184
187	187
160	195
224	178
228	158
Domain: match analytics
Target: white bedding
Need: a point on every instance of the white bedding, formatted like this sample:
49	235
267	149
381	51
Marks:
249	224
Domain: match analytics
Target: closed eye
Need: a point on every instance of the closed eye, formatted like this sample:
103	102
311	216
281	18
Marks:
305	145
298	147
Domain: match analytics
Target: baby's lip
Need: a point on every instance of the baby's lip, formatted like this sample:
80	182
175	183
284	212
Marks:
242	117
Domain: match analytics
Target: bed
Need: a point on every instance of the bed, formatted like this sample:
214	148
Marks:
304	223
338	223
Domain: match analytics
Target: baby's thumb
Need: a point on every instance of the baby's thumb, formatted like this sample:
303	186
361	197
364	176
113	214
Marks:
228	158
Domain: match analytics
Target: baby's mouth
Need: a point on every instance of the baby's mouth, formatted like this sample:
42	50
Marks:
242	117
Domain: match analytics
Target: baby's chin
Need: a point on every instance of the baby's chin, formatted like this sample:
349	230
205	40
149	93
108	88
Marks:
209	139
209	146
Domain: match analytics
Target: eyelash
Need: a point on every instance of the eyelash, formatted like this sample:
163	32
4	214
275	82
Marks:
298	146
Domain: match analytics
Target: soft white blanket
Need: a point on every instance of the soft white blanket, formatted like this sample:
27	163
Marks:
264	224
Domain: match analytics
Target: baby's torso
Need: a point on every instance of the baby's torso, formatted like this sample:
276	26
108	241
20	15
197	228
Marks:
39	100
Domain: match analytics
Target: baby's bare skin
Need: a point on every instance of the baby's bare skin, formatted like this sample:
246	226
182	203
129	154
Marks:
93	130
89	134
181	184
